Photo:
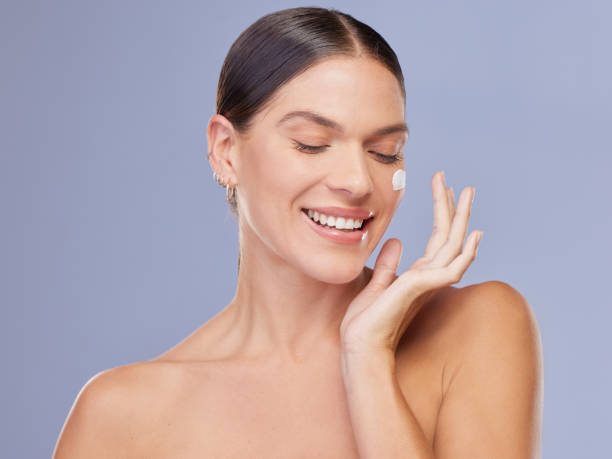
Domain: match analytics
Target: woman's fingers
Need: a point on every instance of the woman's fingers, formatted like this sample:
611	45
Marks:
454	243
450	223
457	268
434	277
442	215
451	202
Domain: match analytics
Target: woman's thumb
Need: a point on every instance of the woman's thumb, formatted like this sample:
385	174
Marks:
386	264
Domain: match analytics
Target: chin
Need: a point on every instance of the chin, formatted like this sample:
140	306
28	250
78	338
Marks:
338	273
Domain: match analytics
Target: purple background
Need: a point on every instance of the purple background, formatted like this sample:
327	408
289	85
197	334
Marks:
117	243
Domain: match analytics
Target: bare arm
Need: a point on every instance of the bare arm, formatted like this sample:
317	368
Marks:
493	404
383	423
492	407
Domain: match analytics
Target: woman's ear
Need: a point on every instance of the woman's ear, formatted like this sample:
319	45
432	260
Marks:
222	141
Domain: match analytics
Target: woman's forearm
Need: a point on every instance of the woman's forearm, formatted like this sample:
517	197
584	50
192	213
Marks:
383	424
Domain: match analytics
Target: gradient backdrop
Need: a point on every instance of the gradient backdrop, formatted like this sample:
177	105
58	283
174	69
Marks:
117	243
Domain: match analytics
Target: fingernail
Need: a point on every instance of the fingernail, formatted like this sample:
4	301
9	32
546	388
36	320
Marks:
443	177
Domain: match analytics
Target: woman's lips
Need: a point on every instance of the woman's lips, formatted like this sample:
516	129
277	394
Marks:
336	235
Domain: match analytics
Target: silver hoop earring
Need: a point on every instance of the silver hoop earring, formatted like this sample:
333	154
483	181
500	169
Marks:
230	193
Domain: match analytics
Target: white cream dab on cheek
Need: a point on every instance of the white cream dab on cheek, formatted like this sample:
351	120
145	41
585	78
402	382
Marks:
399	179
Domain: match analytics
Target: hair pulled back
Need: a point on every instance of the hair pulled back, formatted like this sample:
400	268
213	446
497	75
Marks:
280	46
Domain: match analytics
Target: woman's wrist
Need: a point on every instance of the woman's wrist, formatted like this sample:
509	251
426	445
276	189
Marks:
383	424
364	363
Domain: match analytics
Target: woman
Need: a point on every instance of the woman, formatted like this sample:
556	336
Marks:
318	355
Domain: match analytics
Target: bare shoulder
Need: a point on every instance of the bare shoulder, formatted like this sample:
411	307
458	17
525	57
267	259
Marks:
455	317
113	408
496	299
489	311
476	317
492	384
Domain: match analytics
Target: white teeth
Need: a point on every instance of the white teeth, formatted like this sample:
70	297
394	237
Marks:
335	222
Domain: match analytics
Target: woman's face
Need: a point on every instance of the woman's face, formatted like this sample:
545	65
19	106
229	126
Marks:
277	178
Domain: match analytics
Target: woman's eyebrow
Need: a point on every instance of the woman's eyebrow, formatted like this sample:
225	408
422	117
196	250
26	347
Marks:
326	122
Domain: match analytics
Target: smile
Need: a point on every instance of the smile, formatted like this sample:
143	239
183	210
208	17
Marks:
342	223
338	229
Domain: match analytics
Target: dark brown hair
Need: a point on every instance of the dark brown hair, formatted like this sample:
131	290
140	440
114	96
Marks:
283	44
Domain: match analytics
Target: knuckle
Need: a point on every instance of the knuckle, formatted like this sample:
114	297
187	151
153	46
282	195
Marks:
424	260
454	274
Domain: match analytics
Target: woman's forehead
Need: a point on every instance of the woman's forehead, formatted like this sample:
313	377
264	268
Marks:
334	89
343	76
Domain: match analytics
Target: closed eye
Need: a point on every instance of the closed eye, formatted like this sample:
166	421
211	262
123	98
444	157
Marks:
318	148
311	148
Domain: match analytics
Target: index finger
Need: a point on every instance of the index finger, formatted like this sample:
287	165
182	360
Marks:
442	214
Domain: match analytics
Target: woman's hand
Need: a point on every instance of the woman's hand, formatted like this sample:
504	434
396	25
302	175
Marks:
377	318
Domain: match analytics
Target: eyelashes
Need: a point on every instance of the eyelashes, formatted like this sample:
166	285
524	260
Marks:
387	159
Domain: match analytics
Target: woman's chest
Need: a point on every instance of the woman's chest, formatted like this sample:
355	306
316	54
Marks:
298	416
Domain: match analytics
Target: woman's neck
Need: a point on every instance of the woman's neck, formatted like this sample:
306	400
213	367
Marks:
280	311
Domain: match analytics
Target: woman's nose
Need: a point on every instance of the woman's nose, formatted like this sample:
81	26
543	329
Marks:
351	173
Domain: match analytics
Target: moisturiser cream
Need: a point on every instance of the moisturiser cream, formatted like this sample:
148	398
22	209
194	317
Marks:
399	179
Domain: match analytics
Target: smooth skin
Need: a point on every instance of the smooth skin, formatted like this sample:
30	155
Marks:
376	319
273	373
480	417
